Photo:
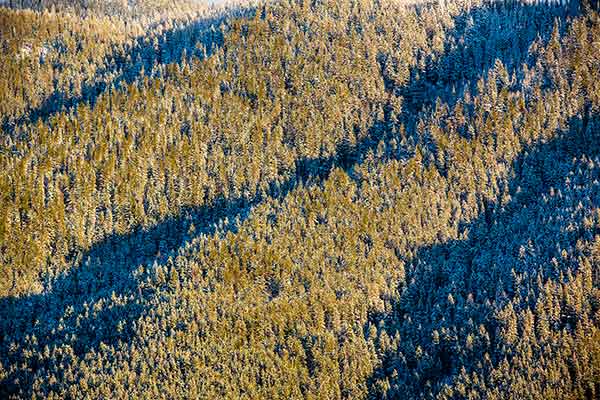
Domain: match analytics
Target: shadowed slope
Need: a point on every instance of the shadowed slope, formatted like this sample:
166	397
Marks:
110	269
463	296
147	55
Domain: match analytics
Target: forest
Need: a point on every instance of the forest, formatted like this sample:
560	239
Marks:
300	199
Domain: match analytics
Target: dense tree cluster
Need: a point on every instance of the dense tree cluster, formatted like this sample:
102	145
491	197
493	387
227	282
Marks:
139	10
344	199
52	60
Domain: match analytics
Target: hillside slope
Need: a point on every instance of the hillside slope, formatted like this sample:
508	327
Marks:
343	199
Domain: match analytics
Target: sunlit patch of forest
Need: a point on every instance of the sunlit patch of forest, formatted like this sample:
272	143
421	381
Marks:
316	199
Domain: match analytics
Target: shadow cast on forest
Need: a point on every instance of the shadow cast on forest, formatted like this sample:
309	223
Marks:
108	269
459	285
140	58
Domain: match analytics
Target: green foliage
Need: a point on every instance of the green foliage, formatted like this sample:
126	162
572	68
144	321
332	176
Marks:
345	199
